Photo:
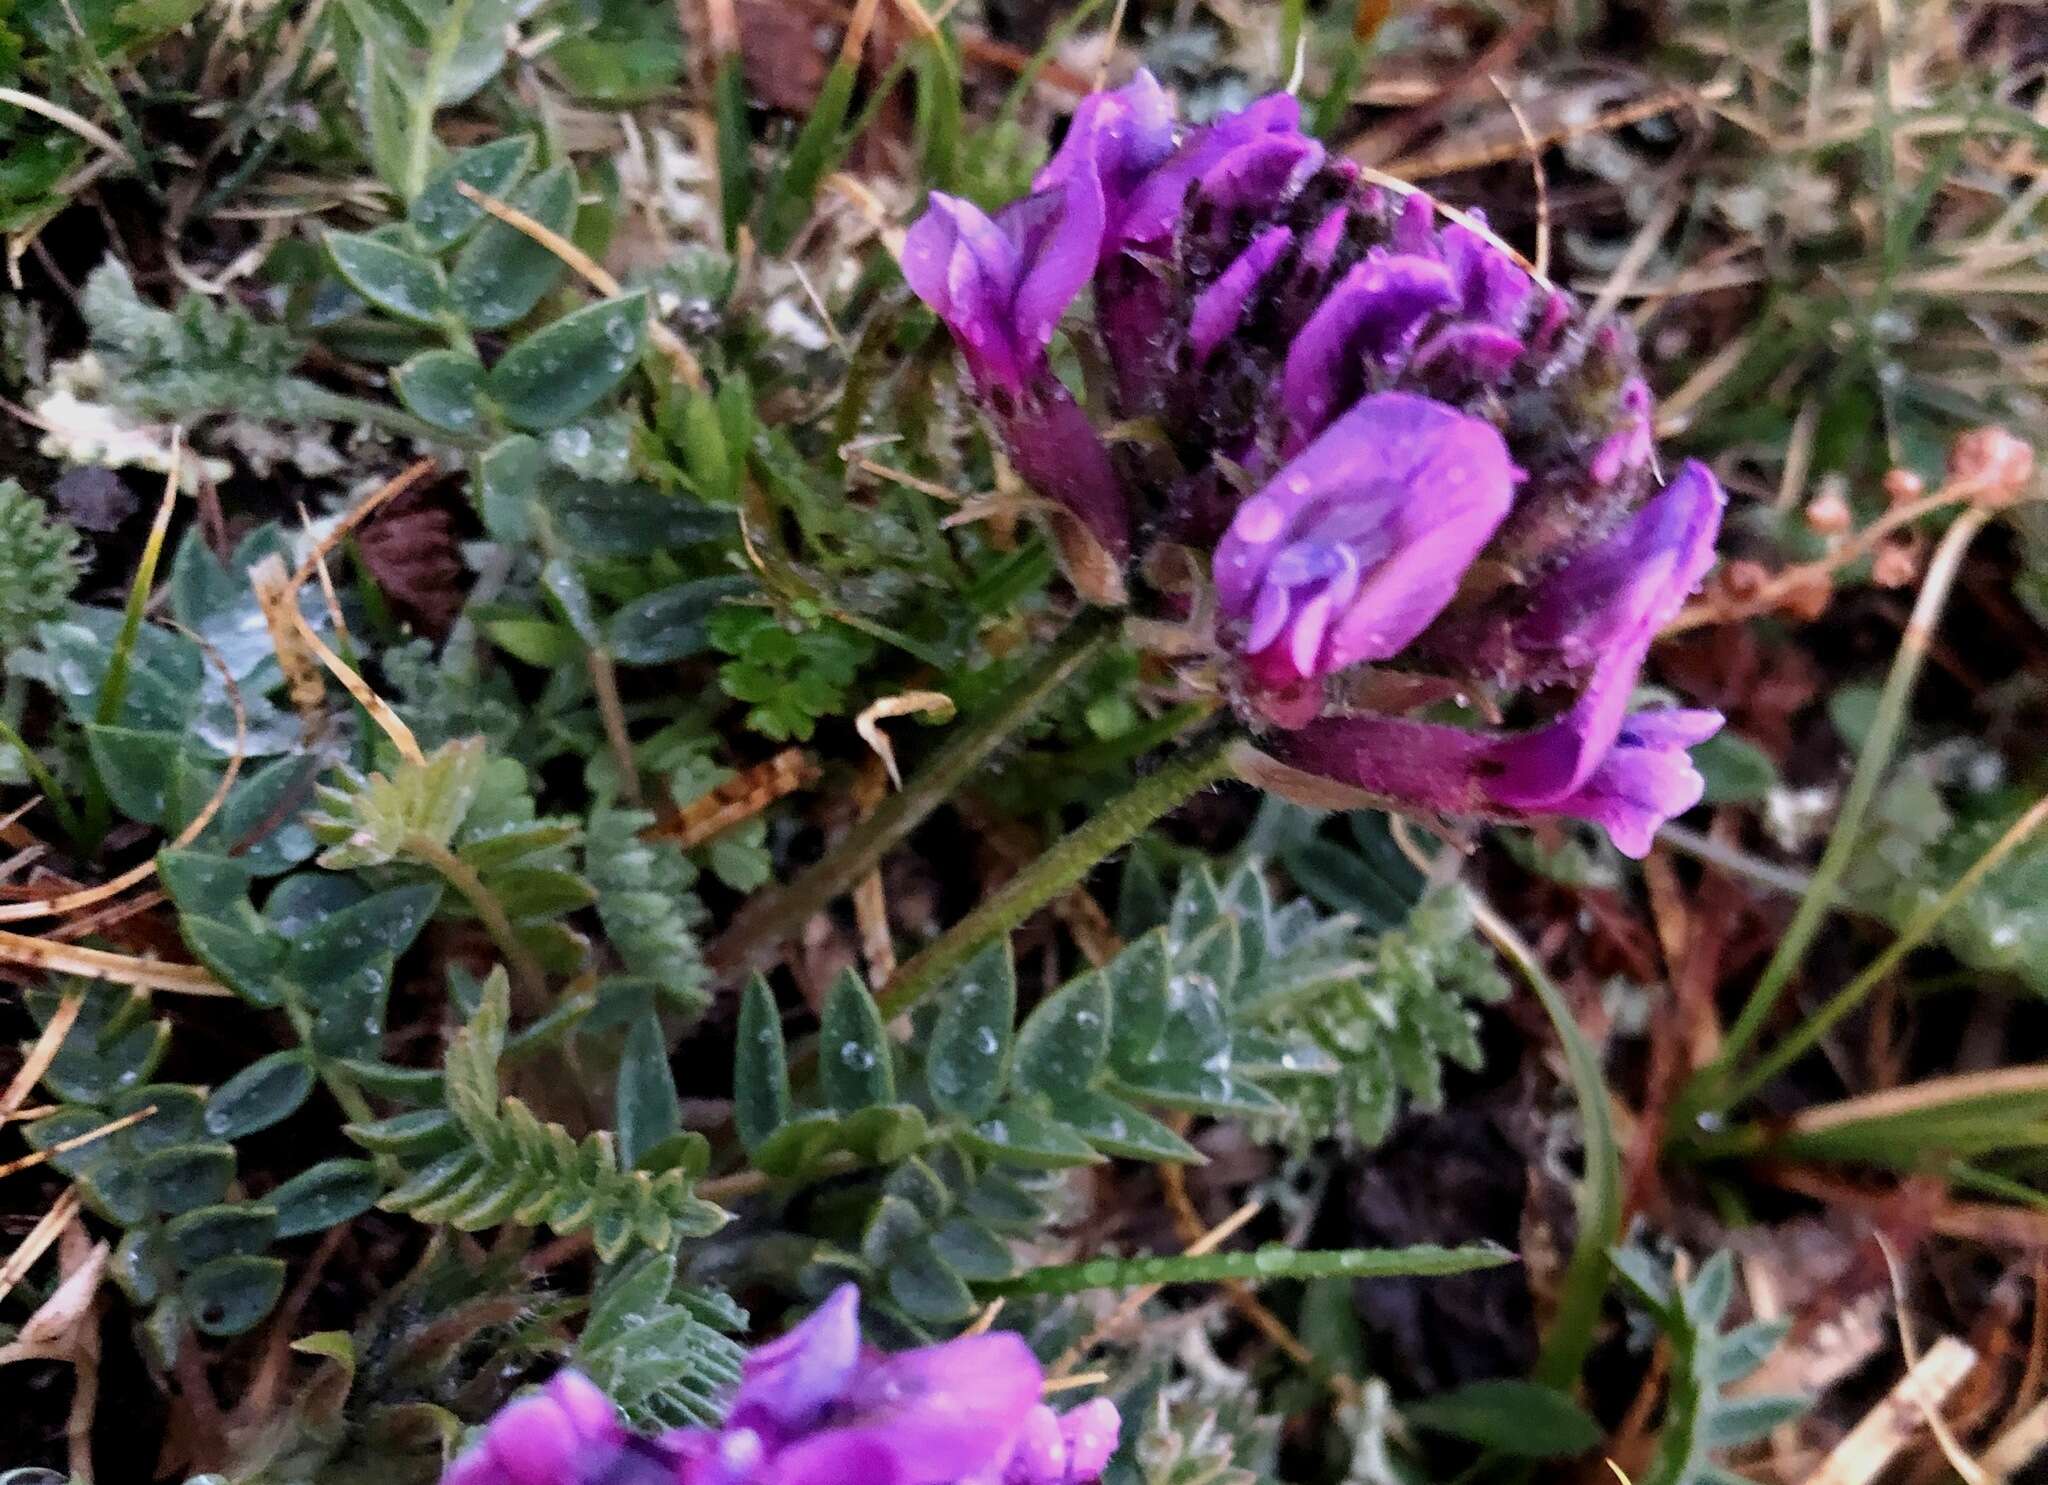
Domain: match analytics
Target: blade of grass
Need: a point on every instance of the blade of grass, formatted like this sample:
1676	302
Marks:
46	783
729	111
1808	1032
938	111
114	684
1577	1311
820	146
766	922
1707	1090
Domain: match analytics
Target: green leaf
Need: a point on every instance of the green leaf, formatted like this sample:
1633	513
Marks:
1737	1421
559	371
1424	1261
229	1295
507	485
441	388
1016	1135
1118	1128
1520	1419
927	1289
1061	1048
648	1109
602	519
1736	770
854	1059
761	1100
135	767
788	203
500	274
795	1146
967	1061
398	282
187	1176
672	623
441	216
264	1093
206	1233
324	1195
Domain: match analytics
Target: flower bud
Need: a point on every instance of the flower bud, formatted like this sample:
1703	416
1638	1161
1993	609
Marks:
1995	465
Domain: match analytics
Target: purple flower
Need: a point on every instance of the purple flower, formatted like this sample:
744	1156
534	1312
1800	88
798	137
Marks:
1394	445
567	1433
1359	541
1001	286
1597	616
816	1407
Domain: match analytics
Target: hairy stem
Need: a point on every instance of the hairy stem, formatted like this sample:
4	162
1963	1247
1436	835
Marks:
527	976
767	922
1709	1088
1062	867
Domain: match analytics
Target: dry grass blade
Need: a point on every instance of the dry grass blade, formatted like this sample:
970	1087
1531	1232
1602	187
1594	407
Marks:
83	127
77	1141
268	574
1951	1447
47	1230
383	495
1886	1429
99	964
1929	1093
904	704
41	1055
738	799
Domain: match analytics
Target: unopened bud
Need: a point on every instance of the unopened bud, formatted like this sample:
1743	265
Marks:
1903	486
1743	580
1993	463
1827	514
1896	565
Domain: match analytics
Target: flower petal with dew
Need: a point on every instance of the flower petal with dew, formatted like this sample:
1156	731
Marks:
1362	538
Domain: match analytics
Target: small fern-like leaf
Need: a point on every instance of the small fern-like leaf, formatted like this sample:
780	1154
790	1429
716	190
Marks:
1699	1418
663	1351
644	897
513	1166
39	565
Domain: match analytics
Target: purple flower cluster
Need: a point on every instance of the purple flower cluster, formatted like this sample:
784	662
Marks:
1395	447
818	1407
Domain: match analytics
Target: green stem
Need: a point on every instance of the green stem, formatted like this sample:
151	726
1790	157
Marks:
1599	1206
339	407
420	136
1062	867
1708	1088
527	975
1811	1029
768	922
